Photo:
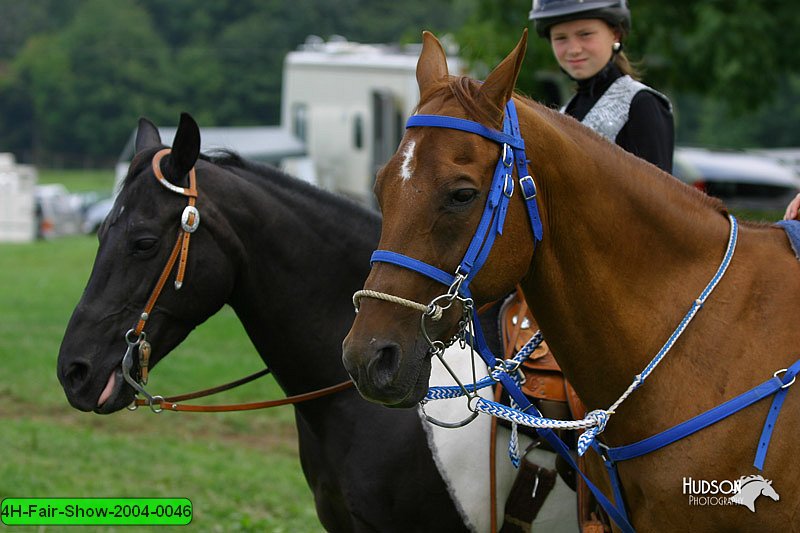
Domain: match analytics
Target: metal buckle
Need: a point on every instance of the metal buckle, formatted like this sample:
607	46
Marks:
190	211
782	371
508	155
508	186
533	186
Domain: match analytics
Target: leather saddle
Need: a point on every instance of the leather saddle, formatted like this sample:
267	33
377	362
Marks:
547	388
543	377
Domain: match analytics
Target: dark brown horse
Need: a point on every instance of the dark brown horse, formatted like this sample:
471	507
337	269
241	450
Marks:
626	249
286	257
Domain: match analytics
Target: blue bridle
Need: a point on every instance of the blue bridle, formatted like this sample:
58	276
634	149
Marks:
494	213
489	227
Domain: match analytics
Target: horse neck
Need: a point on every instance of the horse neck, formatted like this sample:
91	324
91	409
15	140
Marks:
304	253
626	250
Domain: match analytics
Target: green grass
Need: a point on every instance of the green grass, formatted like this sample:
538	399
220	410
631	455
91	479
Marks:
101	181
240	470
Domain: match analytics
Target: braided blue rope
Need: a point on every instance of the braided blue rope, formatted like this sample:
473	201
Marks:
602	416
595	421
456	391
513	441
516	416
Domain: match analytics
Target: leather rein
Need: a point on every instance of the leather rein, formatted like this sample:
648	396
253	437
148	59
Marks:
136	338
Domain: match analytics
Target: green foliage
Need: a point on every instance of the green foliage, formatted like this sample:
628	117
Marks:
76	74
735	50
91	81
727	62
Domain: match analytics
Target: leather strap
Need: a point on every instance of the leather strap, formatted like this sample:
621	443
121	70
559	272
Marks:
181	244
213	390
528	494
170	405
189	222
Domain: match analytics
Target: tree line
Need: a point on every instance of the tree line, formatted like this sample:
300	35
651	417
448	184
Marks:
75	75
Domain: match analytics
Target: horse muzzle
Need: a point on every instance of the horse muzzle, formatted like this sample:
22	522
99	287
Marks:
384	373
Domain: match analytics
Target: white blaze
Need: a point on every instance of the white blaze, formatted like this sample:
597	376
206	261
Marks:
408	158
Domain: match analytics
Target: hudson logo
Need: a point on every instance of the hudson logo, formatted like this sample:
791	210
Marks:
743	491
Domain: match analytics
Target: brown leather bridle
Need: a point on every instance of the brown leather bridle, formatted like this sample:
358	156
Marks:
136	337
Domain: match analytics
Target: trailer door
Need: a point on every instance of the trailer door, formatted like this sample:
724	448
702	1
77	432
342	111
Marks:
387	126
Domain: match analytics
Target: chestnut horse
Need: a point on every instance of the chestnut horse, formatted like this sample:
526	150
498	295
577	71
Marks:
625	251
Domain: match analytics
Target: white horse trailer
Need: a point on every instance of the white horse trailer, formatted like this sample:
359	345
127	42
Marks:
349	102
17	206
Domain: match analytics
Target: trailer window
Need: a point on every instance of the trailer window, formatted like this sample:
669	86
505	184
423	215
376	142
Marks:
358	132
300	121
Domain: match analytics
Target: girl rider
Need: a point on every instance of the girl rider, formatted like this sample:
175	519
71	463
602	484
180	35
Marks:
586	37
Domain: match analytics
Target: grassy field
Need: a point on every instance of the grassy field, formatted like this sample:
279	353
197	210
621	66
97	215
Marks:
101	181
240	470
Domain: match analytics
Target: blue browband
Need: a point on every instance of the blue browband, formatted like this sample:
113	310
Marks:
500	192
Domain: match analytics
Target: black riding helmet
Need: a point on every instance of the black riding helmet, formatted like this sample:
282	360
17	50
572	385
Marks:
547	13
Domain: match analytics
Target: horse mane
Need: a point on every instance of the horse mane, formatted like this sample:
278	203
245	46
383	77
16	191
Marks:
265	174
465	90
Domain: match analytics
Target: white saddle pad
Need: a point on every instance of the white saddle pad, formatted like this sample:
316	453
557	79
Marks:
462	456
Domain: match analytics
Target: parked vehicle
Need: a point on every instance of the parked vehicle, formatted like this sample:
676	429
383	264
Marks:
740	179
95	215
58	212
352	127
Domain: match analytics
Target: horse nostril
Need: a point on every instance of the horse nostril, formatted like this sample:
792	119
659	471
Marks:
385	365
76	375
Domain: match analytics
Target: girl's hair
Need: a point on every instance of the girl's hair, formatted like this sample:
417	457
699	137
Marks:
620	59
625	65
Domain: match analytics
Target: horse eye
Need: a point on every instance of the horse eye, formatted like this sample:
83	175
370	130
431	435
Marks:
462	197
144	245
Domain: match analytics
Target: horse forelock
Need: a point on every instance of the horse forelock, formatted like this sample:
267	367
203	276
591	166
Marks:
139	163
465	90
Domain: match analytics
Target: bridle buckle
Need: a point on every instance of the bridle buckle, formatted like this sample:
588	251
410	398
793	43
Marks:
528	187
190	219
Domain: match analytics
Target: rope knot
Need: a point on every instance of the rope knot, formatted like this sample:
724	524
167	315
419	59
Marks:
435	312
599	418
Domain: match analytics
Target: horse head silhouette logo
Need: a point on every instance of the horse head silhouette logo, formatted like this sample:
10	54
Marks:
750	488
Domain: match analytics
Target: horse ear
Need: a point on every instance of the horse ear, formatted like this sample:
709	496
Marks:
185	148
499	85
147	135
432	64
